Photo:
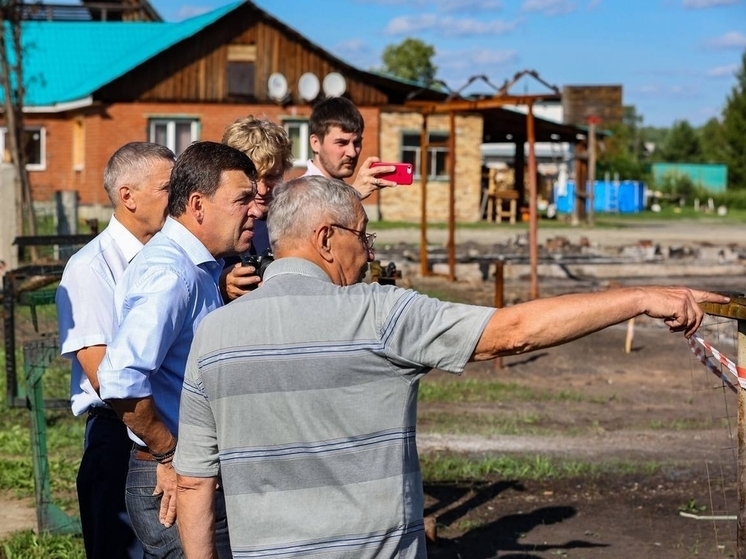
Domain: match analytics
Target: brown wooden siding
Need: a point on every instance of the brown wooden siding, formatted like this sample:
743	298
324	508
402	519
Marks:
196	69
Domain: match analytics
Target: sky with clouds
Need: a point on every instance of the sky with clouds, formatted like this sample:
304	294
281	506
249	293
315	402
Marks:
676	59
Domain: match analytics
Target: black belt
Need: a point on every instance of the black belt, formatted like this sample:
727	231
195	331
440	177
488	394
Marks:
102	411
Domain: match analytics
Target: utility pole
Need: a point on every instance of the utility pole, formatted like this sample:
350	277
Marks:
12	86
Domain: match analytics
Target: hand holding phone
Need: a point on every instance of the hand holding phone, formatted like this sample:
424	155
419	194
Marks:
402	175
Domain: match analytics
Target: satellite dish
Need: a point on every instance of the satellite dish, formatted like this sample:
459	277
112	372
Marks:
308	86
334	85
277	86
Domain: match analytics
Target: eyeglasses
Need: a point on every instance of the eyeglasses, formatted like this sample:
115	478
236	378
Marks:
368	238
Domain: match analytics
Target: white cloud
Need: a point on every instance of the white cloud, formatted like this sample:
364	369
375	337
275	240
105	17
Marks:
469	5
444	5
358	53
455	67
668	91
731	40
353	46
185	12
700	4
447	26
723	71
648	89
549	7
593	4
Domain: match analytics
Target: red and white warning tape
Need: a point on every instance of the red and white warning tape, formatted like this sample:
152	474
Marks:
716	368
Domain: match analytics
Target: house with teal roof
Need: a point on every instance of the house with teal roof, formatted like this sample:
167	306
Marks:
94	85
98	82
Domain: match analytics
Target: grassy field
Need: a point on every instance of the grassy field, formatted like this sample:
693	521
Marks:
604	220
64	444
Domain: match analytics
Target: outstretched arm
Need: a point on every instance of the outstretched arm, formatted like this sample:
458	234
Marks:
549	322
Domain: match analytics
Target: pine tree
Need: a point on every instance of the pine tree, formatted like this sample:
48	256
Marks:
734	130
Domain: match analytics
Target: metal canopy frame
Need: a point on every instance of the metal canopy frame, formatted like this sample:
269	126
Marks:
495	117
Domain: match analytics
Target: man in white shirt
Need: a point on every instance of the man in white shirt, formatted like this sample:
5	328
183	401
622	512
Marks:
136	180
336	135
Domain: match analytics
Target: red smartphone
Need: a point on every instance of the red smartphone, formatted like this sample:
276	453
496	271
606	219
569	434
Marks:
402	175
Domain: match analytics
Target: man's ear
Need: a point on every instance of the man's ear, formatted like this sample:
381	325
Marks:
127	197
322	242
315	142
196	206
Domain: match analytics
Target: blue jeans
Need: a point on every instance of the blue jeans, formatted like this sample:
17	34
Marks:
157	540
107	531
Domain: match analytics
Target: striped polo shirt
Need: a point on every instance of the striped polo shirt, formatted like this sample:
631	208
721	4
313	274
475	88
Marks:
303	396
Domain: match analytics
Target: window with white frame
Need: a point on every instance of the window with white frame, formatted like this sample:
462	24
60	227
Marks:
174	133
34	144
298	132
436	162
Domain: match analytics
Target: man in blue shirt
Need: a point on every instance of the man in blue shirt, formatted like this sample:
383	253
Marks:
160	299
136	180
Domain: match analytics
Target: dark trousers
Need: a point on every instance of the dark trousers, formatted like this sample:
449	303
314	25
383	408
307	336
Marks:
107	531
158	541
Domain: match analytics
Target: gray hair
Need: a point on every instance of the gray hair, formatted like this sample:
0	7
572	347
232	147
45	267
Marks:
130	164
300	205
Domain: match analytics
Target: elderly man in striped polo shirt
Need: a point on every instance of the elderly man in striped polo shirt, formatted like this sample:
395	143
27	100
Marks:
302	394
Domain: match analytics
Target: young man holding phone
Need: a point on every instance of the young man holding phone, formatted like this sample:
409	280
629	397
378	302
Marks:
336	134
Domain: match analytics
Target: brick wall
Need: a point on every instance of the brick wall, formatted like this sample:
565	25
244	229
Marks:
107	127
403	203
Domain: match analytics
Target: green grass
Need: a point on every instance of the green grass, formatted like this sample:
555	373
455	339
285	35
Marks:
688	424
485	424
65	435
28	545
472	390
439	468
64	445
668	213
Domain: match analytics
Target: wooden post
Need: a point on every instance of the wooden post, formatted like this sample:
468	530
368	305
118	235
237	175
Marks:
741	528
452	198
424	146
519	163
532	203
591	168
736	309
499	299
581	174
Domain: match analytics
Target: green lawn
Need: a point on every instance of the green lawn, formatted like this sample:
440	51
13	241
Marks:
667	213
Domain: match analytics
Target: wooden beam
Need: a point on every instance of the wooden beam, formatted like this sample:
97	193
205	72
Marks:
480	104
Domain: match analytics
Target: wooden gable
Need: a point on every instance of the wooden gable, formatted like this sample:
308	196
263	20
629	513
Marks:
231	61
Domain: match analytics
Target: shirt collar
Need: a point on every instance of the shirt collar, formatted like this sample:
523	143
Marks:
191	245
294	265
313	170
125	240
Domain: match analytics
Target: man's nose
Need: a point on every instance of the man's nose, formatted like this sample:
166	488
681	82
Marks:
254	210
350	150
371	255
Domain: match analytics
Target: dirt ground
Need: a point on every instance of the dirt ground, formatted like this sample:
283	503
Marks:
657	404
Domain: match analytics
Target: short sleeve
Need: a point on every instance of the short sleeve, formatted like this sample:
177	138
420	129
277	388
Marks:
85	308
197	452
433	333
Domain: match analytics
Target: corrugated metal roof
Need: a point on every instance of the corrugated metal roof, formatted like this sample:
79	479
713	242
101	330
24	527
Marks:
65	62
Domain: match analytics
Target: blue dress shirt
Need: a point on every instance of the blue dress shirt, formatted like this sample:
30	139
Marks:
160	300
